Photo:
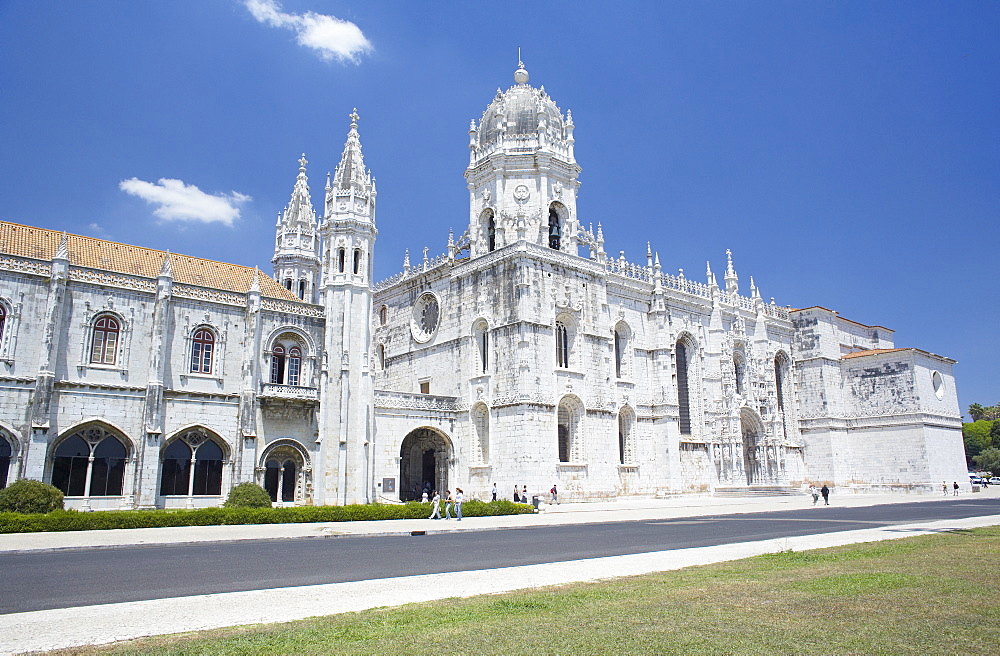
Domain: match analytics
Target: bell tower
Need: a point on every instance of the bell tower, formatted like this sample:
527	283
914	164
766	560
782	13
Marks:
296	242
522	174
346	422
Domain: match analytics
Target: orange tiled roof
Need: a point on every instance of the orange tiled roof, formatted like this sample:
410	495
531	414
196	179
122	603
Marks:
859	354
42	244
857	323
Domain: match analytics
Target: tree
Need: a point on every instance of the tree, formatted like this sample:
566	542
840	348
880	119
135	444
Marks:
976	412
995	435
988	460
977	438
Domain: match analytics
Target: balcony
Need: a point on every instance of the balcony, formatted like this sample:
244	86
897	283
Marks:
289	392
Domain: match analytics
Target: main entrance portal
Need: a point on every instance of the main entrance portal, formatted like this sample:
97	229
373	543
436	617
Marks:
423	463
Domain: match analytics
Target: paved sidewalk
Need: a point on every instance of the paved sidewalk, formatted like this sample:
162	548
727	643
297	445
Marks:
565	513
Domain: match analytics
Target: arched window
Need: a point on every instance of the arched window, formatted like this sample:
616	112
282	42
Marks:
626	428
357	261
294	365
481	336
780	376
491	233
6	452
280	479
340	260
683	401
740	370
621	350
104	341
78	474
562	345
569	416
383	315
176	469
288	284
302	289
286	360
182	475
202	351
3	318
278	364
555	229
481	420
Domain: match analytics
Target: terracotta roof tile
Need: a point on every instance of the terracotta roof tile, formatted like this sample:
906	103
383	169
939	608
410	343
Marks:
860	354
42	244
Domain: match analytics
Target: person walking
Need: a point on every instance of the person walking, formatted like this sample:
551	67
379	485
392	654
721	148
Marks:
435	506
524	494
944	486
449	502
825	491
956	488
494	491
815	493
517	497
555	494
459	498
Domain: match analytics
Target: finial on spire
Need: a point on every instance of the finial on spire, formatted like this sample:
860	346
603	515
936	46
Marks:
255	282
166	270
63	252
302	163
520	75
354	118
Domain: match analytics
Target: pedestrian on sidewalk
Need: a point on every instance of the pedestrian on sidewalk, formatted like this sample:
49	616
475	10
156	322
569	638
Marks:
524	494
825	491
423	497
815	493
450	501
517	497
555	494
436	506
494	491
956	488
459	498
944	486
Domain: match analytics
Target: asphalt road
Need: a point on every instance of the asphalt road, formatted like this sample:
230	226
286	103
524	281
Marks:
64	579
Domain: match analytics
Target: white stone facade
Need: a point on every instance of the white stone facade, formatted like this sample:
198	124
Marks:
524	356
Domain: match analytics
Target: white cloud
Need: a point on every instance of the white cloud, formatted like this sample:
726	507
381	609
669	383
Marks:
329	36
180	202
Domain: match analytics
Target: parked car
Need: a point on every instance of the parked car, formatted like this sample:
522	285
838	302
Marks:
995	480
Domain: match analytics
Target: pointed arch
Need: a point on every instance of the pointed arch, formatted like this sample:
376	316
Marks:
569	428
192	463
752	433
424	461
557	221
90	461
285	471
622	348
481	424
488	229
626	435
481	338
685	349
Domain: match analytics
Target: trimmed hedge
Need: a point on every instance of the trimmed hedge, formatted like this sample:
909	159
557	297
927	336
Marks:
28	496
248	495
72	520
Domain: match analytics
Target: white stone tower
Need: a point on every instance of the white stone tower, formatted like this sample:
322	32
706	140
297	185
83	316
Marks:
297	243
522	174
346	423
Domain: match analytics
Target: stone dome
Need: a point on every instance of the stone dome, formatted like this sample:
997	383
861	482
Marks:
519	111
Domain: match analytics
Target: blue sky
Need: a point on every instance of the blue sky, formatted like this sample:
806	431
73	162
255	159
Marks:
846	152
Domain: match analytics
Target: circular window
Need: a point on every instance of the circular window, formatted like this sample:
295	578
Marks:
426	312
938	382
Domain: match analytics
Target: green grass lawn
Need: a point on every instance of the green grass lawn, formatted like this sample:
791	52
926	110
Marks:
935	594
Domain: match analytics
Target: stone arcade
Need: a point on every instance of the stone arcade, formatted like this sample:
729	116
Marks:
524	355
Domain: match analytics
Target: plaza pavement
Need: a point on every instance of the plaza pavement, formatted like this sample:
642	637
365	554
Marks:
58	628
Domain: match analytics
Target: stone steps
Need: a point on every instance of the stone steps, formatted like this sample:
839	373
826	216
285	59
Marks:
728	491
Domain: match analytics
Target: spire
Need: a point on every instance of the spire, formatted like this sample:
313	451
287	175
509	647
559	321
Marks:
63	252
732	280
299	211
351	170
166	271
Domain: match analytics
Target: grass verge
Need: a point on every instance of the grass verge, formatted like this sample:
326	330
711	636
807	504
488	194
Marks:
932	594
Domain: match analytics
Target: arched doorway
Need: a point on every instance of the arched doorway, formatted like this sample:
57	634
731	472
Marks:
753	457
423	463
286	472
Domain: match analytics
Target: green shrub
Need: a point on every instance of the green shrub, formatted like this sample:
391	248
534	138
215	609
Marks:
27	496
71	520
248	495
